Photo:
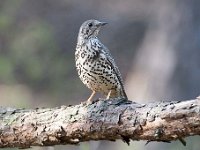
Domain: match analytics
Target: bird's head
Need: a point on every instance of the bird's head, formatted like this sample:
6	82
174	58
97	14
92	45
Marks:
90	28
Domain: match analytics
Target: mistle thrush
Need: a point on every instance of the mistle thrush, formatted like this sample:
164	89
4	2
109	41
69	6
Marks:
94	63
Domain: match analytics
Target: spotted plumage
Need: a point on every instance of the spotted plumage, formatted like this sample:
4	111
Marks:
94	63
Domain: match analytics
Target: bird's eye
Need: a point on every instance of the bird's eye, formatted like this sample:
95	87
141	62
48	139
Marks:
90	25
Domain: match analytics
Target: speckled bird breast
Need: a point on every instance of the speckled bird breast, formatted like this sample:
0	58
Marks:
93	69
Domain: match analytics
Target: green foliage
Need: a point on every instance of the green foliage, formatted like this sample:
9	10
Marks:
6	69
32	52
31	56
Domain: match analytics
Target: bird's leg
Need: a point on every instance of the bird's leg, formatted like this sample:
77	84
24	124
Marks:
91	97
109	93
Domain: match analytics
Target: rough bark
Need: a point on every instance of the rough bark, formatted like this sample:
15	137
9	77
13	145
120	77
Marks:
103	120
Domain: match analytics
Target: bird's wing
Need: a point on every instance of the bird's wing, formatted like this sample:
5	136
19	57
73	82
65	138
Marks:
113	65
102	49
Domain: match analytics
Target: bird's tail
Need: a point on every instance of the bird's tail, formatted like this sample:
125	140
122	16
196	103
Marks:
123	93
115	93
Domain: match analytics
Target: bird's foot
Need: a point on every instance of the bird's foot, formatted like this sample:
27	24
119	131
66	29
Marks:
89	102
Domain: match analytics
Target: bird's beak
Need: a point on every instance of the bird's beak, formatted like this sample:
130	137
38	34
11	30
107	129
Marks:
103	23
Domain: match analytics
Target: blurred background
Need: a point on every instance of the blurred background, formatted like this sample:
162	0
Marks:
155	43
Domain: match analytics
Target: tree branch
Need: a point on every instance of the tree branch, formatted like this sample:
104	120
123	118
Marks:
103	120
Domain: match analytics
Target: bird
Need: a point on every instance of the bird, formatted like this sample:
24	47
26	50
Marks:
95	65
